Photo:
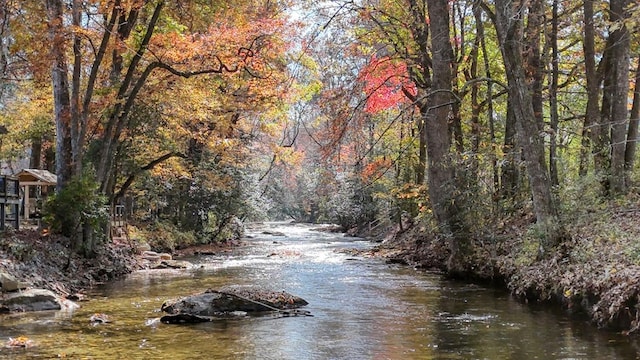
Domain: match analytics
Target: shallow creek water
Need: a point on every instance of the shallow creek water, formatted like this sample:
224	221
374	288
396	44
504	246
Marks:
363	309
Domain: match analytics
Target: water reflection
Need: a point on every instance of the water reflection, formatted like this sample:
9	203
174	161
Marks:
363	309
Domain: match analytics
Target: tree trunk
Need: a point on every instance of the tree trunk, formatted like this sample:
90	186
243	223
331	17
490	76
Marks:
553	97
441	180
61	96
5	44
533	58
476	134
620	94
456	55
420	74
477	12
127	92
509	25
632	132
36	152
76	144
590	130
510	174
602	151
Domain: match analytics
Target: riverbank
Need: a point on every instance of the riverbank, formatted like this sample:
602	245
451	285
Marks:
597	273
45	261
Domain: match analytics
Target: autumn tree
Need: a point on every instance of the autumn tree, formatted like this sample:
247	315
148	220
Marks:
509	23
152	43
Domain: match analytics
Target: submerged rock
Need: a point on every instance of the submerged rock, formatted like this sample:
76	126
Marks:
99	318
229	302
172	264
273	233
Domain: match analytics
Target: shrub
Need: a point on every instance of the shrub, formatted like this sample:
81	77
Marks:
78	203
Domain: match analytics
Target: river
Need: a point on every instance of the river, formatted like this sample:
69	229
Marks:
362	309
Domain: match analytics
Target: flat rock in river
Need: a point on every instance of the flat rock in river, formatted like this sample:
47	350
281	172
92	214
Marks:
228	301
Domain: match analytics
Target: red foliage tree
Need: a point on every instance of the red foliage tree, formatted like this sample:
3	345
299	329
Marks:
386	81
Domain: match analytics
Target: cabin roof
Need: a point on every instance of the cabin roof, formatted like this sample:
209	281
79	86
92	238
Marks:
36	175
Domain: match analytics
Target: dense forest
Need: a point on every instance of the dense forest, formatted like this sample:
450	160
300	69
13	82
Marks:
499	136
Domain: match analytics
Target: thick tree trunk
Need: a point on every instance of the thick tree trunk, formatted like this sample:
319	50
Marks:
533	57
62	110
441	180
61	95
509	25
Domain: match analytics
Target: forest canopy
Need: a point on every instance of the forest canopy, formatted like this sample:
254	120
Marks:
194	114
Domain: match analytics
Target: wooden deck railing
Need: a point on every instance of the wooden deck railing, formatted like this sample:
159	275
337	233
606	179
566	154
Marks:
9	202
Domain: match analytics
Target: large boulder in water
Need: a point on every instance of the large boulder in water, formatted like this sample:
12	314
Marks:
230	301
30	300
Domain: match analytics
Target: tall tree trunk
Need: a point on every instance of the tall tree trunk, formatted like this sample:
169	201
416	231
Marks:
477	12
533	57
76	151
602	151
590	130
61	95
620	95
62	108
70	111
474	55
421	75
553	97
5	44
456	56
634	119
441	180
509	25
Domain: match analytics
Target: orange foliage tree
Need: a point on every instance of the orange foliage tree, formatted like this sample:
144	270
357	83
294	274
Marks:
119	69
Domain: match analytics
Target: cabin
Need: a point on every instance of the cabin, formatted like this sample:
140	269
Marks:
22	197
35	186
9	202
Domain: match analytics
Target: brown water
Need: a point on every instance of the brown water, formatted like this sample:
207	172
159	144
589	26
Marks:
363	309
